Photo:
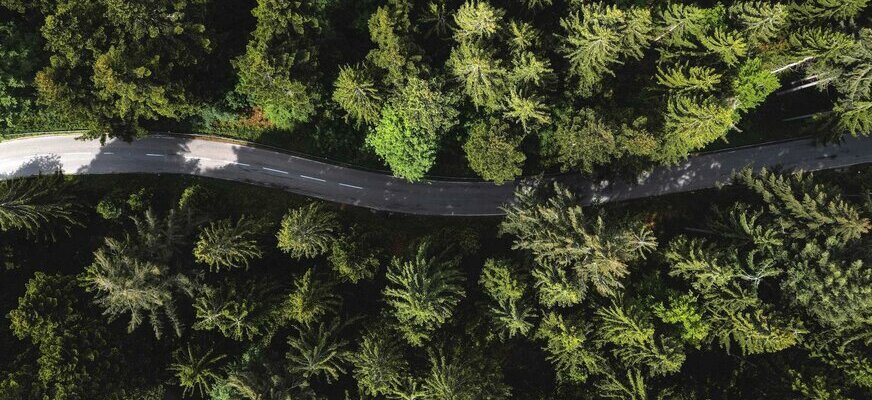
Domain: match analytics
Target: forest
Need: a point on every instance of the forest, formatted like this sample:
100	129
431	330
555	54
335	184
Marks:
475	88
147	287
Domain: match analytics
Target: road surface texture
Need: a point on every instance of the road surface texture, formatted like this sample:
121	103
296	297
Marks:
237	162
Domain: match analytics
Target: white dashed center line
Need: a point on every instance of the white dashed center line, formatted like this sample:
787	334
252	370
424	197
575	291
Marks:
275	170
350	186
108	152
312	178
154	155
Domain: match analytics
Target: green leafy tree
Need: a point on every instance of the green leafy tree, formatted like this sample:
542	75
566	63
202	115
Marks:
226	244
194	371
36	204
316	350
310	299
280	58
492	152
411	126
307	231
422	293
378	363
356	93
19	57
75	350
118	64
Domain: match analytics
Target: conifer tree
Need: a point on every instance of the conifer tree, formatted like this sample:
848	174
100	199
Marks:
422	293
692	123
492	152
226	244
307	231
316	351
761	22
378	363
570	347
508	308
632	333
195	371
355	92
34	204
310	299
125	284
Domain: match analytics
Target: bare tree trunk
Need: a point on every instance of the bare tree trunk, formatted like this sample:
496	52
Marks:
793	64
807	78
807	85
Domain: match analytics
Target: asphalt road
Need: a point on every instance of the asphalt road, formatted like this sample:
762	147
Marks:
188	155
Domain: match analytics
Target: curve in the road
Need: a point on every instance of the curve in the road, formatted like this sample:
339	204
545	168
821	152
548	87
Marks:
242	163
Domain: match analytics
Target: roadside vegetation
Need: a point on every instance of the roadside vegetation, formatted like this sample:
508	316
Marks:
147	287
497	89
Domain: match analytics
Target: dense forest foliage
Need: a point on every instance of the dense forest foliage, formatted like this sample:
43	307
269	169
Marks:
169	287
507	86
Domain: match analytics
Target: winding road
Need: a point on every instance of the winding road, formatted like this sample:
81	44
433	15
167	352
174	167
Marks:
181	154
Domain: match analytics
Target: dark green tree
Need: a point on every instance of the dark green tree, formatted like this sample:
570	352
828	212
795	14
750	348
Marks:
195	371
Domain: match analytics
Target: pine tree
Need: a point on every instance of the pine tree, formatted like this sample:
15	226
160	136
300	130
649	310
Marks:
355	92
753	84
688	80
560	237
590	46
476	20
570	348
307	231
316	350
633	388
226	244
310	299
691	124
632	333
679	24
508	307
581	140
422	293
854	118
529	111
353	260
378	363
761	22
464	374
806	209
125	284
480	73
839	10
729	46
33	204
195	372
